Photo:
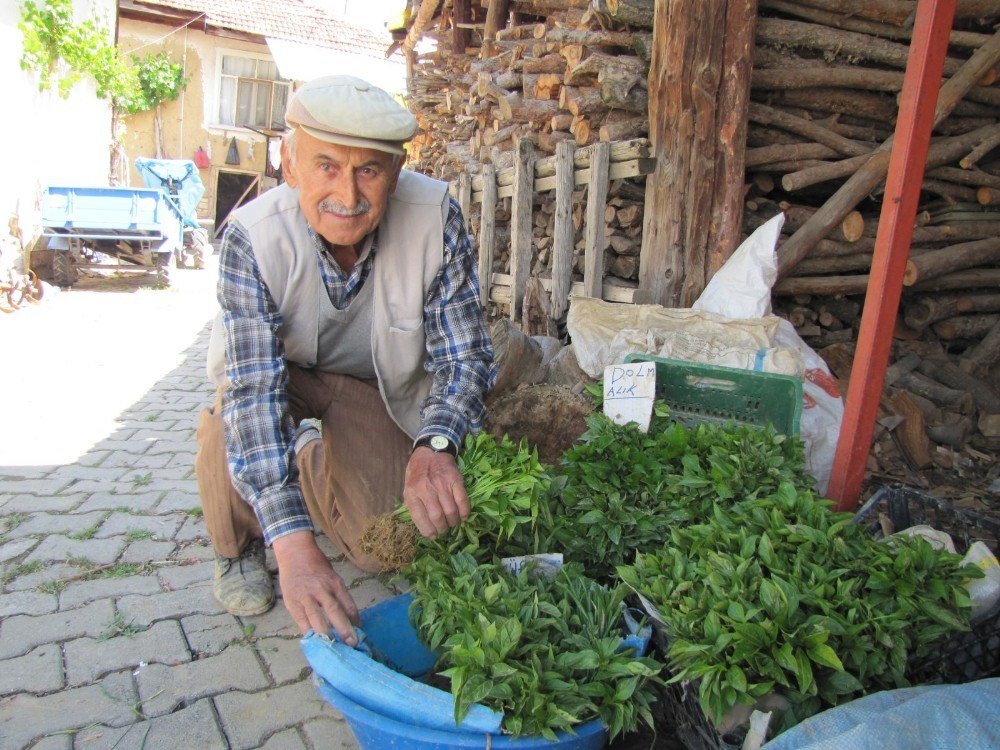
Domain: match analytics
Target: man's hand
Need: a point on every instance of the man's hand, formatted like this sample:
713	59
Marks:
434	492
315	596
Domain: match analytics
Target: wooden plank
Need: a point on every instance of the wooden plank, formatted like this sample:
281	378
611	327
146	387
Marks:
597	199
520	223
487	230
616	171
562	241
611	292
464	196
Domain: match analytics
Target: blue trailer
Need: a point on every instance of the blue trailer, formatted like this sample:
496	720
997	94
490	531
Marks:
139	228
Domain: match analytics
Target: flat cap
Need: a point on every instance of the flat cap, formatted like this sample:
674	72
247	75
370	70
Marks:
351	112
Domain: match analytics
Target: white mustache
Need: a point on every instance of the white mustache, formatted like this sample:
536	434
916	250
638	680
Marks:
335	207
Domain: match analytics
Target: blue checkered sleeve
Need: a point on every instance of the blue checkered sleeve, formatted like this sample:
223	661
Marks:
259	427
458	343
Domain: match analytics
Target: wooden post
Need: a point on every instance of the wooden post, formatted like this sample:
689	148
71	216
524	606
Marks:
460	33
905	173
562	240
597	199
464	196
520	224
726	218
684	79
496	19
487	231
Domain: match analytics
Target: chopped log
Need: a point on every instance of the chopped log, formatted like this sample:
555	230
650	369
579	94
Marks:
972	279
833	264
960	230
546	64
637	13
940	394
910	435
624	92
581	100
547	86
946	260
624	129
901	367
765	115
784	152
923	311
980	151
561	121
979	359
590	38
598	64
866	178
956	434
865	79
513	107
522	31
951	375
988	196
965	326
950	192
850	285
848	44
969	176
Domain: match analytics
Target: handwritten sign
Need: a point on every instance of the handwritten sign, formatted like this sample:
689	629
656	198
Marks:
629	391
545	564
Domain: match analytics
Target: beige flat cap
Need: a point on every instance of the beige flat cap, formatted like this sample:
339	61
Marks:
351	112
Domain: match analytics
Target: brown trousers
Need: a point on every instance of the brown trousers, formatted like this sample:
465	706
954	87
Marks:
356	472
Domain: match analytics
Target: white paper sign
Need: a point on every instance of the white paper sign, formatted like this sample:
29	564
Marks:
629	391
546	564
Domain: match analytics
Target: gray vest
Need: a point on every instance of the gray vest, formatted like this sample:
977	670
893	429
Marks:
410	248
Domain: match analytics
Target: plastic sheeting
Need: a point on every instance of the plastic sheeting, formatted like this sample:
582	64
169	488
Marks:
179	179
931	717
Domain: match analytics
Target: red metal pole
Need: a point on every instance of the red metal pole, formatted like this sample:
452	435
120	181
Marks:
924	67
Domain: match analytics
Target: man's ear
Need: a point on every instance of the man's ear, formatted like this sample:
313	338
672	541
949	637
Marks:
395	176
288	165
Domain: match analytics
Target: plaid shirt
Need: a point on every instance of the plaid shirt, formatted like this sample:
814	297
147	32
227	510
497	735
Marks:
259	427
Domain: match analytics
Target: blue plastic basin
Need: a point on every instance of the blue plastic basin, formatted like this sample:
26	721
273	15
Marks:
387	706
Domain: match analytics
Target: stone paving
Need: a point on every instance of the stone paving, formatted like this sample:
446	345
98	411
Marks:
109	634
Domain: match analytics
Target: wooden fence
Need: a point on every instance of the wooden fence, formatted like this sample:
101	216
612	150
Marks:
571	166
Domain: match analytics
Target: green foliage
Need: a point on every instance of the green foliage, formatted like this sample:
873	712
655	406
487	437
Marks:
61	51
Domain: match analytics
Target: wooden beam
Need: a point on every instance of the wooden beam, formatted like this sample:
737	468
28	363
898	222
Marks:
562	240
487	230
597	199
520	224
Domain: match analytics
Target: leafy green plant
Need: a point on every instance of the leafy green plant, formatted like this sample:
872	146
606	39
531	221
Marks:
62	50
118	627
141	480
133	535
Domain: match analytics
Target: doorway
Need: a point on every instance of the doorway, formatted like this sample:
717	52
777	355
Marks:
232	190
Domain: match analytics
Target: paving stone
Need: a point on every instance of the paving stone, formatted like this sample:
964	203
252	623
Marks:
211	634
330	733
28	603
248	718
274	622
192	728
179	500
175	577
283	658
16	547
25	717
145	610
32	503
58	547
43	487
96	473
178	444
49	573
145	550
162	527
192	528
120	443
94	458
369	591
81	592
19	473
120	486
195	551
163	688
21	633
54	742
87	659
38	671
138	503
57	523
144	462
289	739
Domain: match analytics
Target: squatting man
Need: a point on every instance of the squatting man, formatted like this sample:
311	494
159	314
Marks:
348	294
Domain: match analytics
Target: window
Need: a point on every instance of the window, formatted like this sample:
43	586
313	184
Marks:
251	93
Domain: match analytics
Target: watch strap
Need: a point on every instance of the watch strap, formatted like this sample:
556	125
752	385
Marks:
445	445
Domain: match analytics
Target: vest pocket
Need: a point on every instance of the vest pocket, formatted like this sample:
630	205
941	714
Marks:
407	341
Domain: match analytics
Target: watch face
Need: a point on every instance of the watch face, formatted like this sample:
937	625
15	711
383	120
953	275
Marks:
439	443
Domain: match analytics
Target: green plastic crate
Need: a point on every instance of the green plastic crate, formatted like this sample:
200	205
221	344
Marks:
698	393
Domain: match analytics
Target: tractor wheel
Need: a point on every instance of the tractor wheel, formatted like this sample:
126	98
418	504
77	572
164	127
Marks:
162	263
64	271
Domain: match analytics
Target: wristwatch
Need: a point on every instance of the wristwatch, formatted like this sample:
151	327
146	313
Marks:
438	444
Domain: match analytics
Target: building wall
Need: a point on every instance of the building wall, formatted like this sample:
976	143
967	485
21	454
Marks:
190	121
47	140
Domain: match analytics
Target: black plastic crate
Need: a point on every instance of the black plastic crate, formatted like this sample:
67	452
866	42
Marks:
962	657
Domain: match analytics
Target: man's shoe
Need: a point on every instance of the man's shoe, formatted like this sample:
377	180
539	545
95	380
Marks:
243	584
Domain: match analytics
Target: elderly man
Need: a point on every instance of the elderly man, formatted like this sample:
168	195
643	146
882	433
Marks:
348	294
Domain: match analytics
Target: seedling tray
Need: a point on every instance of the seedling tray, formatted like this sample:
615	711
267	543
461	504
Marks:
698	393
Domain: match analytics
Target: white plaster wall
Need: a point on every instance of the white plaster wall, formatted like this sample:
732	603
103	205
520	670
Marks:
45	139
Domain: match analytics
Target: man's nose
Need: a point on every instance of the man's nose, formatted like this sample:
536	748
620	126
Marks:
346	189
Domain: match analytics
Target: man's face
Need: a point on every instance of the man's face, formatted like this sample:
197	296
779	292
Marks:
343	190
